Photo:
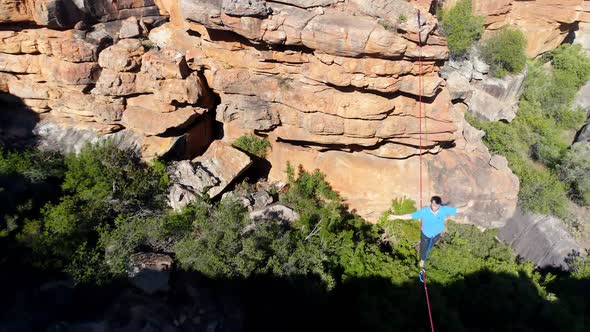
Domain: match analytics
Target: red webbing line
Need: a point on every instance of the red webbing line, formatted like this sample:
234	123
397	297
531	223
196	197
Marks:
420	93
428	303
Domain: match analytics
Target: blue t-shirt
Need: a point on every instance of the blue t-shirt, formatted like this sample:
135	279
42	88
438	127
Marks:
433	224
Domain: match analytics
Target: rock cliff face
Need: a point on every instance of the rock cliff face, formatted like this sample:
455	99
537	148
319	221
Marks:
546	23
333	84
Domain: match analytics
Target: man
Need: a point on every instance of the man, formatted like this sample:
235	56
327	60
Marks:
433	223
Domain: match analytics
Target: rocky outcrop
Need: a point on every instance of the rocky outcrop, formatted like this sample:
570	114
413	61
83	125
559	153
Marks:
582	36
79	83
582	99
584	134
545	23
64	14
487	97
540	239
208	174
252	199
276	213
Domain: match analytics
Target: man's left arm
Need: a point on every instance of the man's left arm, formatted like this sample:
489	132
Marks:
465	207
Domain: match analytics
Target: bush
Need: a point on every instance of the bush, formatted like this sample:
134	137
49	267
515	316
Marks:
571	59
28	180
575	170
103	187
253	145
540	189
225	243
505	51
461	27
221	248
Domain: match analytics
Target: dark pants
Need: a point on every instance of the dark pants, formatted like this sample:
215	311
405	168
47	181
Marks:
425	242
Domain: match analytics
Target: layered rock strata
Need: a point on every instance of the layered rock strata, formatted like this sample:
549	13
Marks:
335	85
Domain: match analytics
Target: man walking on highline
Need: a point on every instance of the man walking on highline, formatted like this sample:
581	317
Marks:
433	223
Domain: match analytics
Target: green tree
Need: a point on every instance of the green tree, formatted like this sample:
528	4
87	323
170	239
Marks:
102	184
461	27
505	51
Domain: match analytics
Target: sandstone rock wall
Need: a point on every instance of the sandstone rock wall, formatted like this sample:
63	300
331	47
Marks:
545	23
334	85
93	79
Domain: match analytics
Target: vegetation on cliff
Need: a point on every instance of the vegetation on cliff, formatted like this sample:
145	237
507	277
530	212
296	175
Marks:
536	142
253	145
460	26
111	206
505	51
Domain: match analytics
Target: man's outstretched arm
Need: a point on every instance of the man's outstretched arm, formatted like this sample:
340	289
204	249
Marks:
400	217
464	208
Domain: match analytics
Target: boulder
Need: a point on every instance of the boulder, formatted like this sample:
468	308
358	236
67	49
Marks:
208	174
276	213
123	56
499	162
224	163
582	99
543	240
164	64
459	87
150	272
584	134
130	28
189	181
150	122
250	200
245	8
486	107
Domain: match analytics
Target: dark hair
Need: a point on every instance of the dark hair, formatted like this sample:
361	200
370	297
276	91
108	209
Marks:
436	199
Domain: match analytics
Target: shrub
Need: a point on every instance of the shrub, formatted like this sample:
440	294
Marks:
540	189
575	170
103	187
253	145
571	59
505	51
28	180
461	27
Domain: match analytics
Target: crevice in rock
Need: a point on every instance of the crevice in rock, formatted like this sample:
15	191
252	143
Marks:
388	95
231	36
571	35
19	26
350	148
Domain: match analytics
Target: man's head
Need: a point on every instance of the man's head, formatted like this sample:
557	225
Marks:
435	203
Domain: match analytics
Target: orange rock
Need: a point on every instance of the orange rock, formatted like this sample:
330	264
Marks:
224	162
545	23
150	123
14	11
123	56
164	64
